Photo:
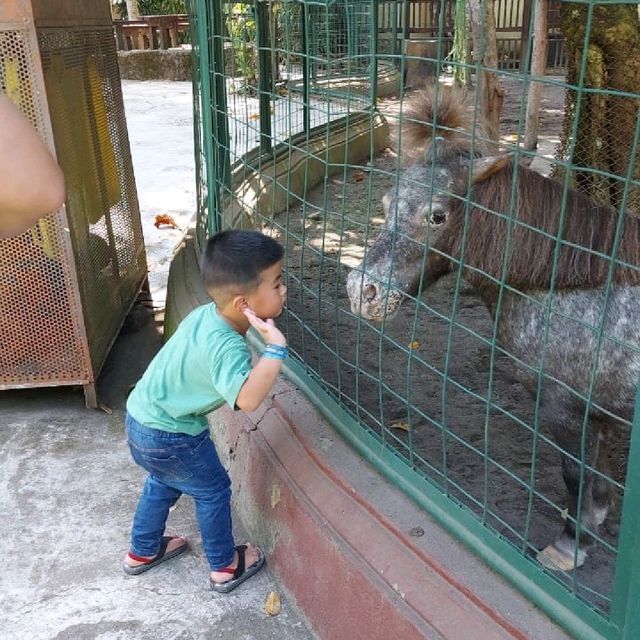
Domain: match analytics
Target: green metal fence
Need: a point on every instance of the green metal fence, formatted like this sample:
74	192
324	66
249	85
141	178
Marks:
299	110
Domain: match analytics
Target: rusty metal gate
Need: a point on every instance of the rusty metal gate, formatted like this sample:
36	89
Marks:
67	284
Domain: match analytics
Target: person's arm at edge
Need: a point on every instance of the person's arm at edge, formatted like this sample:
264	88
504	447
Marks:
32	183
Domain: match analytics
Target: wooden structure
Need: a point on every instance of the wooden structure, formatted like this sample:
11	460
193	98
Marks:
420	20
151	32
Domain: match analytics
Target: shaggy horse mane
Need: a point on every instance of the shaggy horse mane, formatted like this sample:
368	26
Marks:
588	230
438	111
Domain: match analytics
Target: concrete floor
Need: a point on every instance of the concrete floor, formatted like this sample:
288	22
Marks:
68	489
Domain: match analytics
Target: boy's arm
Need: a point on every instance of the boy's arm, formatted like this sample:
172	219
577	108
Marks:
264	374
31	182
257	386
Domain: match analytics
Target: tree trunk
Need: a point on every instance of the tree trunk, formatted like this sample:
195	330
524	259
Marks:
485	51
606	125
273	37
538	67
460	47
133	10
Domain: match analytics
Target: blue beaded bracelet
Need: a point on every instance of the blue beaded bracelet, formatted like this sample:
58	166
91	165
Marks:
275	351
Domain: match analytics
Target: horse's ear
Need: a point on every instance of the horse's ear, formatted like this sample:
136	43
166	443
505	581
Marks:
484	168
435	151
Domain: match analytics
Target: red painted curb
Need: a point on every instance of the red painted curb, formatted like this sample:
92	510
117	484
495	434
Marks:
352	572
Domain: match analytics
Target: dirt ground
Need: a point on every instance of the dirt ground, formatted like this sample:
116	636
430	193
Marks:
429	402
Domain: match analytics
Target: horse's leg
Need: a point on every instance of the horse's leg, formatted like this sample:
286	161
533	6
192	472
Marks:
564	554
601	489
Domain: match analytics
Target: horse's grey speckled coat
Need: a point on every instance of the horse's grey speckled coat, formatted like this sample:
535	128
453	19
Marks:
575	338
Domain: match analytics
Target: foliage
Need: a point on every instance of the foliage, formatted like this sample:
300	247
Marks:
288	20
604	134
154	7
241	26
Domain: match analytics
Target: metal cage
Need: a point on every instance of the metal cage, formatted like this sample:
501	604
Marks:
432	396
67	284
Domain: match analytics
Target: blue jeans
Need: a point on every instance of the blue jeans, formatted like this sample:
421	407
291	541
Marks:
179	463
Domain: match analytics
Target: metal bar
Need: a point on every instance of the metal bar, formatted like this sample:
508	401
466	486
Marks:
626	588
394	32
407	20
264	74
207	108
304	21
220	124
373	75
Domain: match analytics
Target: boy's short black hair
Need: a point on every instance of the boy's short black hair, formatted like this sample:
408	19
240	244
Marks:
234	259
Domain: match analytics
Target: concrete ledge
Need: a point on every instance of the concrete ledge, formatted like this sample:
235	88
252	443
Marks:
338	535
352	572
155	64
295	167
388	83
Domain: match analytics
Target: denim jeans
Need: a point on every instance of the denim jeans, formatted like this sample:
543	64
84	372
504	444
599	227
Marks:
179	463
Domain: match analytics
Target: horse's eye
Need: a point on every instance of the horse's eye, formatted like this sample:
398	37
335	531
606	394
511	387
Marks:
437	216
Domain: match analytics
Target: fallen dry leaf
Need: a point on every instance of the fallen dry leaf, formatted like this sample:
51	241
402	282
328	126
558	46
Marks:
358	176
165	219
272	605
401	425
414	345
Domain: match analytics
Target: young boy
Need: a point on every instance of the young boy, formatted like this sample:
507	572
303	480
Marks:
205	364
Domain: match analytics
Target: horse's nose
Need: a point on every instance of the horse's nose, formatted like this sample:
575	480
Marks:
369	293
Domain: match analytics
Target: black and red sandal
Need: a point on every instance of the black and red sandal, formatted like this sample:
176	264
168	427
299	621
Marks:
160	557
240	573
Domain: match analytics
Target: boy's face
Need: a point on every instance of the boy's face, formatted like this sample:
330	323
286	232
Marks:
268	299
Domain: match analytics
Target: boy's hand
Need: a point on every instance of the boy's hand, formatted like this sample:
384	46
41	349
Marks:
266	328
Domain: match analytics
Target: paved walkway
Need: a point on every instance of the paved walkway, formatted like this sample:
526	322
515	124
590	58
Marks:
160	124
68	487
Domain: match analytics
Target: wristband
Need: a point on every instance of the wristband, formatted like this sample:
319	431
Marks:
275	351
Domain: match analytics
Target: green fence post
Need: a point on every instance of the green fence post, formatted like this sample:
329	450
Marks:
406	25
221	151
394	33
206	105
264	74
304	21
374	52
625	612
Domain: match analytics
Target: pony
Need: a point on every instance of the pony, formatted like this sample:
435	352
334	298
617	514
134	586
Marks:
558	273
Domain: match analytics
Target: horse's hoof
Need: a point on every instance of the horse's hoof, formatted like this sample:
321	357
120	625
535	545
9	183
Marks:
557	560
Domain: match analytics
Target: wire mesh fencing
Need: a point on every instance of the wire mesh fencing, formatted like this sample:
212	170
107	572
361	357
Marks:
461	300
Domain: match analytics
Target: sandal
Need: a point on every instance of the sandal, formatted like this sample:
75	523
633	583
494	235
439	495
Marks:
160	557
240	573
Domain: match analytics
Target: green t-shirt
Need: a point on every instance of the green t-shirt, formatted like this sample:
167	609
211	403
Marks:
202	366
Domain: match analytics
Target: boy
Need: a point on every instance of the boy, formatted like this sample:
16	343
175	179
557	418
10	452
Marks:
203	365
